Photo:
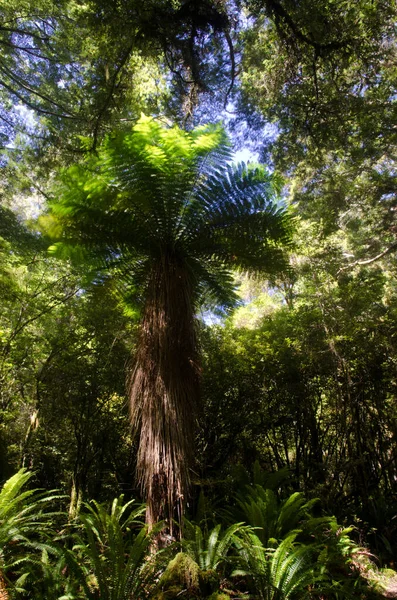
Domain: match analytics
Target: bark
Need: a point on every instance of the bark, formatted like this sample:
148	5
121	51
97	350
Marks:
164	391
3	590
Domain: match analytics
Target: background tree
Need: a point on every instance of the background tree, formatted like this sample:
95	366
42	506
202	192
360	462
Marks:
311	381
69	66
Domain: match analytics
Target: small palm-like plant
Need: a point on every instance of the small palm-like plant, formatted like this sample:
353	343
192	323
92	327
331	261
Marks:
109	557
210	550
272	518
199	568
277	573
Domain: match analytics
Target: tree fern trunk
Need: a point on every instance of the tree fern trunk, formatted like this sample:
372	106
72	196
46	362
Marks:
164	390
3	590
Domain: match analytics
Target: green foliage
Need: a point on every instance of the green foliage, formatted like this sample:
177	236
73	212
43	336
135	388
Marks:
33	293
246	480
311	386
272	519
108	557
21	512
108	553
321	71
25	527
286	571
157	188
83	384
210	549
69	66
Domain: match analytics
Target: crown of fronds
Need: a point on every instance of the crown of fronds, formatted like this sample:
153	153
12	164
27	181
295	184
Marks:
157	191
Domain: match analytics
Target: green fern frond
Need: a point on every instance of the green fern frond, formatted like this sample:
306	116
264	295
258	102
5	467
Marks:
274	519
278	574
109	553
156	187
26	524
211	550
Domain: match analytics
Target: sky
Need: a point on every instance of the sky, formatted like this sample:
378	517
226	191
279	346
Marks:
245	155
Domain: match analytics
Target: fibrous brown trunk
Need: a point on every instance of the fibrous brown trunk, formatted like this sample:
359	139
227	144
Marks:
164	391
3	590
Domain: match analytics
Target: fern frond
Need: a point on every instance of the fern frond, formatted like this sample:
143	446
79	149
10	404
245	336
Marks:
211	550
109	552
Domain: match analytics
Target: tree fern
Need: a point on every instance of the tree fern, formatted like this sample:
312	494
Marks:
273	519
211	549
162	209
277	573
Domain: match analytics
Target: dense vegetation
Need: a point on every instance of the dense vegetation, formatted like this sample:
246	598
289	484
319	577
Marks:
244	316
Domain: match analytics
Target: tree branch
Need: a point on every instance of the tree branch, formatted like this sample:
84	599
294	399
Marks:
109	97
233	69
280	13
26	87
24	32
369	260
35	107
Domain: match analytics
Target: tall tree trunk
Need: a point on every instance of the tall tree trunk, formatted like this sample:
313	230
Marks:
164	391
